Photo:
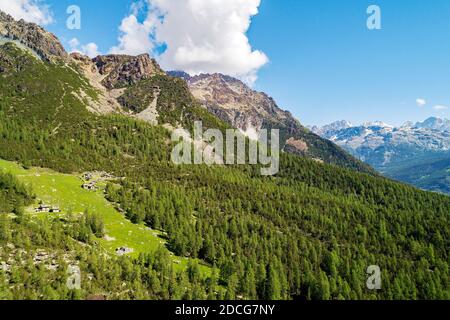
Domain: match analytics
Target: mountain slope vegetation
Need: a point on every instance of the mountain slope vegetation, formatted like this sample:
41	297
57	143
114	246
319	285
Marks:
13	195
308	233
37	253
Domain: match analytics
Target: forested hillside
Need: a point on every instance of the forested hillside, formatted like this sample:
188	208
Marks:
13	195
428	173
38	252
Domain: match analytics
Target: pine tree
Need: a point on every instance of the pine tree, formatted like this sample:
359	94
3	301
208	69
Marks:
272	290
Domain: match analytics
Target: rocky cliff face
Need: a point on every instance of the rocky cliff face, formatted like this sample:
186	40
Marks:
112	74
123	70
234	102
44	43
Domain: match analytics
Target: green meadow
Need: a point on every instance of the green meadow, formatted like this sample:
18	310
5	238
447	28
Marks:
65	191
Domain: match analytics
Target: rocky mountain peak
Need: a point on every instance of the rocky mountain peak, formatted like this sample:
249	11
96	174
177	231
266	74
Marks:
408	124
335	126
434	123
180	74
84	61
45	44
418	154
123	70
233	101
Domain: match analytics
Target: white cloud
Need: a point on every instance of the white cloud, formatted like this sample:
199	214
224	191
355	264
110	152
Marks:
440	107
421	102
74	43
135	38
202	36
90	49
30	10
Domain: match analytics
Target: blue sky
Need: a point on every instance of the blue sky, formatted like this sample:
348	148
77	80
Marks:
326	65
323	63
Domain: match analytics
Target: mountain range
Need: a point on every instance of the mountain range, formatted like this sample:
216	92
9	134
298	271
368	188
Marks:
235	103
88	188
418	153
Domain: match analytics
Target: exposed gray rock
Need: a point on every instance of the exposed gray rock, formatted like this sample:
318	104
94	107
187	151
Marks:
235	103
124	70
44	43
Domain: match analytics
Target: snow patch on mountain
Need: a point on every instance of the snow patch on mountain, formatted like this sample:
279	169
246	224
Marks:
379	144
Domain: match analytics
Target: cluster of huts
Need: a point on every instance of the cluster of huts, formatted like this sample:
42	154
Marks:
91	185
123	251
102	174
47	209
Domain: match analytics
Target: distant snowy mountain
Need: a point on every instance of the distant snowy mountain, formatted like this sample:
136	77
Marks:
377	124
389	148
379	143
434	124
332	127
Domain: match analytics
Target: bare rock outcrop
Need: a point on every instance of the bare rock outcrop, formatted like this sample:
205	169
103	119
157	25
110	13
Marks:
107	99
235	103
123	70
83	61
44	43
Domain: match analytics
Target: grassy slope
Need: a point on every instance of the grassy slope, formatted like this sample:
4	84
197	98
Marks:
65	191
